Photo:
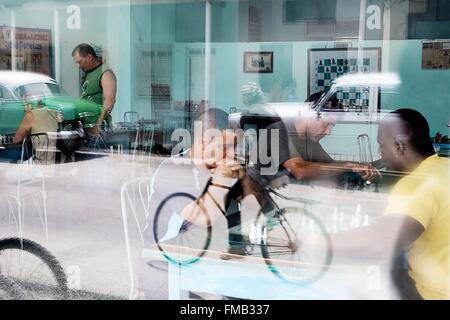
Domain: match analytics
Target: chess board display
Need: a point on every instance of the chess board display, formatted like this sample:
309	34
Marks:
6	139
326	65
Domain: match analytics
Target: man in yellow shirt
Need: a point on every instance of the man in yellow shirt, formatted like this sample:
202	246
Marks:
417	217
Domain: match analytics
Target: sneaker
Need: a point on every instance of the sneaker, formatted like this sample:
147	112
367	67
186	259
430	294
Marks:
234	252
239	241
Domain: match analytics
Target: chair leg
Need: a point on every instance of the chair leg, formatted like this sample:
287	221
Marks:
42	214
127	243
10	215
44	206
15	217
136	141
20	217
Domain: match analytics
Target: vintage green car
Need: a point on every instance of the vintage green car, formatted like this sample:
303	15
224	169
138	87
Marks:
19	88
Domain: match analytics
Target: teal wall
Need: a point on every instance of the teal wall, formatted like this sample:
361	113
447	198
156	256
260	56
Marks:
423	90
119	49
181	26
122	28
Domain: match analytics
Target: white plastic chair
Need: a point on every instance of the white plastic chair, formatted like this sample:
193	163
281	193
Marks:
131	117
135	202
365	149
144	137
135	197
30	179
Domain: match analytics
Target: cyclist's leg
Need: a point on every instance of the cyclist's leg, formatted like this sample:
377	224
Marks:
256	188
233	214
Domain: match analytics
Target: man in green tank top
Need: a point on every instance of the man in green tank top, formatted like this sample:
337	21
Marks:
99	84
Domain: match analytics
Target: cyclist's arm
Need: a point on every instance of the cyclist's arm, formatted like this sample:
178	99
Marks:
219	150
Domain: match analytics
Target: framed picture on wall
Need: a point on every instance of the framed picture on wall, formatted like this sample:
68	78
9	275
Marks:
33	50
326	65
258	62
436	55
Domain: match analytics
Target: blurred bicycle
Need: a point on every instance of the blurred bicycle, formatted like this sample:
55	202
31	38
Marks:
28	271
291	240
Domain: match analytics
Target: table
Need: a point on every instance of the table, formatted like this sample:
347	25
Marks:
250	278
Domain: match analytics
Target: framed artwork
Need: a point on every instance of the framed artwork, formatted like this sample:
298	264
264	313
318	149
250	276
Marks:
144	58
33	50
161	100
326	65
258	62
153	69
436	55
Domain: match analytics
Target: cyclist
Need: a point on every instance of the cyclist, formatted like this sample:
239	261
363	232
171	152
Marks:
295	152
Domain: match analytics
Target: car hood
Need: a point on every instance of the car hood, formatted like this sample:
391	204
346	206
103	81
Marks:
12	112
71	107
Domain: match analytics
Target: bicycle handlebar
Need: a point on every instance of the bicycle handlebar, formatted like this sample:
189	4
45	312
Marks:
298	199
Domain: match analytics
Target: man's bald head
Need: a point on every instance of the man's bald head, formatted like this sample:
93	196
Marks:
404	135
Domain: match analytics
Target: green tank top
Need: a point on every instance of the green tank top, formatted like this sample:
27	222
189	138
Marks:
92	90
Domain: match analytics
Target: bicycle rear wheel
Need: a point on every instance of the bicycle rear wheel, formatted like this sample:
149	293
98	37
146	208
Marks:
29	271
297	247
182	228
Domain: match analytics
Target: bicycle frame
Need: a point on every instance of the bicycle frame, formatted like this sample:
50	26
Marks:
278	211
279	214
277	227
205	191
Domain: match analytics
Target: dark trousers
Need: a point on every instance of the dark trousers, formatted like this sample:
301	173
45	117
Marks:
232	211
232	207
405	285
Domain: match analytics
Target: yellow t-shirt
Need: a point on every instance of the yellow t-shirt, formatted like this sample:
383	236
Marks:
424	196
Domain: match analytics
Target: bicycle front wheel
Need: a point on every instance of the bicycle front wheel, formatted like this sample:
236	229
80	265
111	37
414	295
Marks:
296	247
182	228
29	271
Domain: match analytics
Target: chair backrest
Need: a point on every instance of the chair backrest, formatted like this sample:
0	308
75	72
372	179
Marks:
39	148
135	203
365	149
131	116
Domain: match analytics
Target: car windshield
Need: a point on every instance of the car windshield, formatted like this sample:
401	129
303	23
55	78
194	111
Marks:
36	90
